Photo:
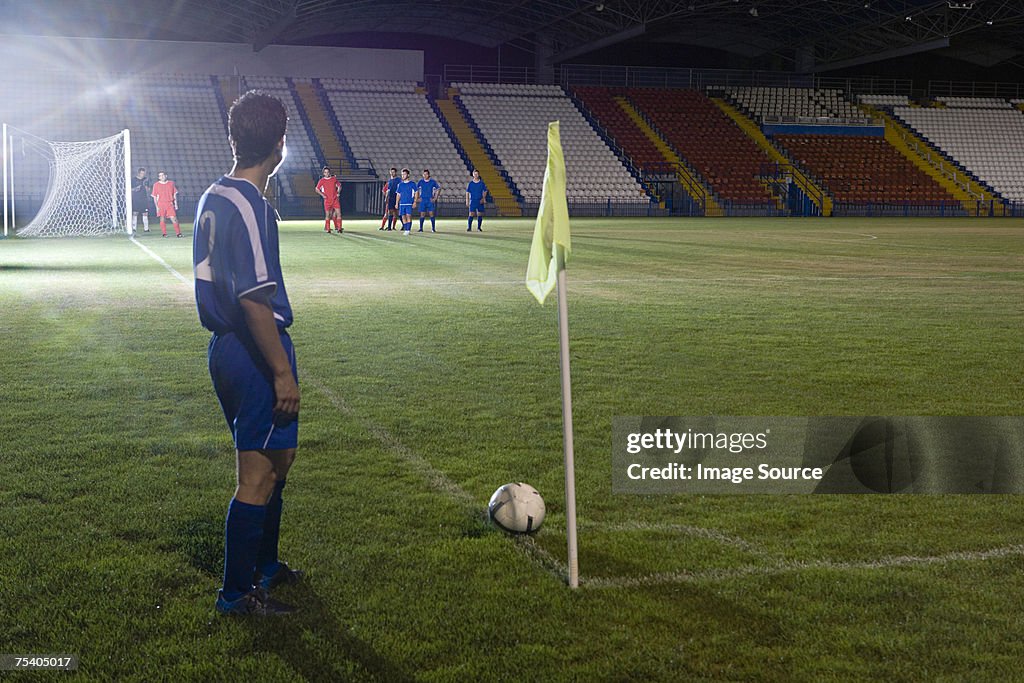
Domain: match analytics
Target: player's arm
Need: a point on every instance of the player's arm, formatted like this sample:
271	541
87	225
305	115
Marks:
437	192
259	318
175	189
467	197
319	189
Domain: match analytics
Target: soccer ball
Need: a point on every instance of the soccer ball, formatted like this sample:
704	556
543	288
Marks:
517	508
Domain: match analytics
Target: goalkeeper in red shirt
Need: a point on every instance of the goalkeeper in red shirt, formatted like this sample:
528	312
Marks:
165	195
329	188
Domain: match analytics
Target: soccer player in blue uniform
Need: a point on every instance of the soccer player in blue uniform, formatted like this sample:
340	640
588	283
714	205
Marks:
476	195
406	191
426	192
390	208
241	299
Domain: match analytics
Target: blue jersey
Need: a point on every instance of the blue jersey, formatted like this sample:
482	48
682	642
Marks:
393	184
406	190
476	189
235	253
426	188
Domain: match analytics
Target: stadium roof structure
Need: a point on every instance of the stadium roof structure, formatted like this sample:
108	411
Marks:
805	35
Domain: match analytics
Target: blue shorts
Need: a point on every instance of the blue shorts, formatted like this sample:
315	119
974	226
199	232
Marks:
476	206
405	209
245	388
426	206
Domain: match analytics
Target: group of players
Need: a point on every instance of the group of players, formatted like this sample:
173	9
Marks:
163	193
402	196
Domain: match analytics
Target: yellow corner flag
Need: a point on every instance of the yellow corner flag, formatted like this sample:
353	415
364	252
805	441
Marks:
551	245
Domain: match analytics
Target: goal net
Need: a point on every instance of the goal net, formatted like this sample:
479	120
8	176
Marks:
66	189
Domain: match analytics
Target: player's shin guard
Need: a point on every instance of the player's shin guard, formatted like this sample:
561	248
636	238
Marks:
337	224
479	221
243	534
433	224
421	223
145	222
163	227
469	223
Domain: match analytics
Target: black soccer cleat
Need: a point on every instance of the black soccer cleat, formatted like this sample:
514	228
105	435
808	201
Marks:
255	603
285	576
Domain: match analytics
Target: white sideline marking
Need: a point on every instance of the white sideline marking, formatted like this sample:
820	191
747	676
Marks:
156	257
438	479
784	567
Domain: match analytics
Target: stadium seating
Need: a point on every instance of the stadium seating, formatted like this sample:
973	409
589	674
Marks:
515	125
728	161
863	170
390	124
987	141
601	103
819	103
177	124
975	102
175	121
884	100
297	173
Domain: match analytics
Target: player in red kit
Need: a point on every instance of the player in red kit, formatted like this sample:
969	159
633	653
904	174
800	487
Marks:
165	195
329	188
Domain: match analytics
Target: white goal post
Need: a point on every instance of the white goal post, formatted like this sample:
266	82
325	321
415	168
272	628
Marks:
79	188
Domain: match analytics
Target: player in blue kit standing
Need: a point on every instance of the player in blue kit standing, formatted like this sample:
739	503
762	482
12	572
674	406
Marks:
476	196
406	191
241	299
426	193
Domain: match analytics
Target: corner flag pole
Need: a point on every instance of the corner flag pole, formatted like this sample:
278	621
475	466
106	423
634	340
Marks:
570	464
546	269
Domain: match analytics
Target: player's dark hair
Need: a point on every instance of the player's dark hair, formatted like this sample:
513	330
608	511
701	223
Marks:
141	168
405	170
325	168
394	169
256	123
427	171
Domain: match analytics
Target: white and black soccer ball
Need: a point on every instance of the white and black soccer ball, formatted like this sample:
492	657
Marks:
517	508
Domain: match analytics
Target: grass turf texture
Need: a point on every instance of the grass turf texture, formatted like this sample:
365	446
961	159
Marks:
430	377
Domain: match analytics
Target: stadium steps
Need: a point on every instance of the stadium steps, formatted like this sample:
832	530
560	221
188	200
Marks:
609	140
809	187
958	183
226	93
496	185
694	187
320	124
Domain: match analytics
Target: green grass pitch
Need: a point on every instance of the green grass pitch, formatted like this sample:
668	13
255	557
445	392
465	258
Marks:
430	377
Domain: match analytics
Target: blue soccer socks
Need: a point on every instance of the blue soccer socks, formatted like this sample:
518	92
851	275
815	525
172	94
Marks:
266	557
243	532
